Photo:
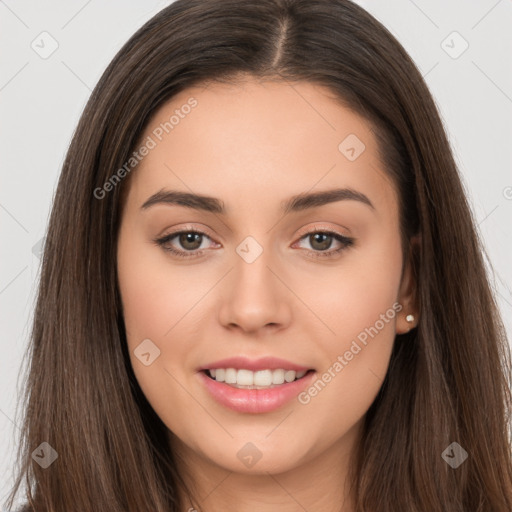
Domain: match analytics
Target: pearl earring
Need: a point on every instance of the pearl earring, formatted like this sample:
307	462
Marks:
409	318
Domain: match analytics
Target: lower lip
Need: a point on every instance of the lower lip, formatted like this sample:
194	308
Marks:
255	400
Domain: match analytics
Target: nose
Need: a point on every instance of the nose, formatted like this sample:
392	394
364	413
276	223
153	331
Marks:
255	297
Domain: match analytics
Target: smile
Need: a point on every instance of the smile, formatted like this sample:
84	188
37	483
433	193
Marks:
260	396
247	379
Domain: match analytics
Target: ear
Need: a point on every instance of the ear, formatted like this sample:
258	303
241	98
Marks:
407	295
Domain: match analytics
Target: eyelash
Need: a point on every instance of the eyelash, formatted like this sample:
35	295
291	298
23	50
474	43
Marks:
346	242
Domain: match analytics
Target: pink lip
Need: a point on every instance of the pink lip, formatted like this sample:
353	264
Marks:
263	363
255	400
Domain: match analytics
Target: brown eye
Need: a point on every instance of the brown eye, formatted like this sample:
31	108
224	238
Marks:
190	241
186	244
320	241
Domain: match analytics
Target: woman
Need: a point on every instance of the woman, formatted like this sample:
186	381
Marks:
262	286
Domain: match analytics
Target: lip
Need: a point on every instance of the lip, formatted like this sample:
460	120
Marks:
255	401
262	363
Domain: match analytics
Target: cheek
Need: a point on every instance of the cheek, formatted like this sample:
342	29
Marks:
155	298
156	294
158	304
353	295
359	303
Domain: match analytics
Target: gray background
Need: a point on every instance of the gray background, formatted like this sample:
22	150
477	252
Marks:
41	100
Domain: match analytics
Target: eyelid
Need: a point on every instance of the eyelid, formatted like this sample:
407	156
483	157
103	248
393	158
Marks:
345	240
324	228
205	231
201	229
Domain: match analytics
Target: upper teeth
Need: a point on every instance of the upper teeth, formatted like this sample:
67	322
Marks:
244	377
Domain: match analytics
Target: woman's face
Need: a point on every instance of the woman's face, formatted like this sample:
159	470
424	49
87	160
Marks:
297	268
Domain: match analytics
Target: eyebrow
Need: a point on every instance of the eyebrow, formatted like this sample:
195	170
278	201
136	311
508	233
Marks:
296	203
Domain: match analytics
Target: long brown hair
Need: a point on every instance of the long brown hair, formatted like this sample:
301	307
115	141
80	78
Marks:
448	380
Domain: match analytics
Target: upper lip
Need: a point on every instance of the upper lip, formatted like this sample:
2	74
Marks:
262	363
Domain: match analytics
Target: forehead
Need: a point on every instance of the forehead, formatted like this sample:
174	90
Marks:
249	138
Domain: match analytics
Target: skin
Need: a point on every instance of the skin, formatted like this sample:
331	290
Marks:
253	145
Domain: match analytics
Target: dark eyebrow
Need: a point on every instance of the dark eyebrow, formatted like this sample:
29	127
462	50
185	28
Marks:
294	204
195	201
312	200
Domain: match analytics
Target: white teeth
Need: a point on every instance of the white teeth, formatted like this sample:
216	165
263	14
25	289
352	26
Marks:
262	378
230	377
278	377
248	379
245	378
289	376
